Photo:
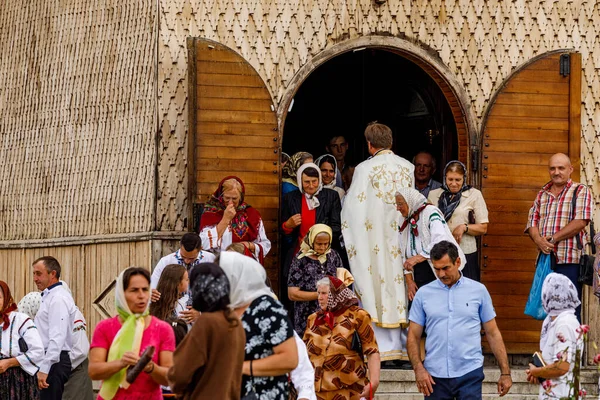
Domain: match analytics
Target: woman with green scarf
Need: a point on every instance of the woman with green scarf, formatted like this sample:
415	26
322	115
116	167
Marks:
118	343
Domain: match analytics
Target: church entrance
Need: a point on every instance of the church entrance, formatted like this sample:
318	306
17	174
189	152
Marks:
344	94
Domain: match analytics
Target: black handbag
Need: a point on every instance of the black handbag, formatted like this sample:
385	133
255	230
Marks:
586	261
357	345
22	343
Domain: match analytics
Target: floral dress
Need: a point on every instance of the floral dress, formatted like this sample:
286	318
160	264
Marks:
267	325
304	274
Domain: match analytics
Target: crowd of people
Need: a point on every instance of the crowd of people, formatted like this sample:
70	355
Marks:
374	257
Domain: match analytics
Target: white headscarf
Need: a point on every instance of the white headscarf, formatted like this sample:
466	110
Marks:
30	304
246	278
311	200
332	185
559	295
413	198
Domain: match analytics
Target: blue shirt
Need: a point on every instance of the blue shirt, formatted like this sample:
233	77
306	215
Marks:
452	318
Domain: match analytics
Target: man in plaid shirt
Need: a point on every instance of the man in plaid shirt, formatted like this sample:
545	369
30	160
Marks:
553	226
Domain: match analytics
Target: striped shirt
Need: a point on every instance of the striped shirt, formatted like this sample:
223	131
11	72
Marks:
552	213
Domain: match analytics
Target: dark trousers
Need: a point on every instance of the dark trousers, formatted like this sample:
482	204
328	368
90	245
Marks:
57	377
471	270
466	387
571	271
422	274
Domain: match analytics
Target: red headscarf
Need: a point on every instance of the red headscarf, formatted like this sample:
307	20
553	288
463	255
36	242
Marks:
339	300
8	306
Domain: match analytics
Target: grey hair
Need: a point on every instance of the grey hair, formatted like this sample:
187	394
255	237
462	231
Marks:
324	282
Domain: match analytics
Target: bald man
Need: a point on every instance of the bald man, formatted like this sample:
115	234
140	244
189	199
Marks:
553	226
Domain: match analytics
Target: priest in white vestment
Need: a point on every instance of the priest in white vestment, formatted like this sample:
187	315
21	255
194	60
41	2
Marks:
370	232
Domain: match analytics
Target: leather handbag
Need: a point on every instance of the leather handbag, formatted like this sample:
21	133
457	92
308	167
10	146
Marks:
23	347
586	261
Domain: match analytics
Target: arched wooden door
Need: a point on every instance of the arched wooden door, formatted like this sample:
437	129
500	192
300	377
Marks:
233	131
536	114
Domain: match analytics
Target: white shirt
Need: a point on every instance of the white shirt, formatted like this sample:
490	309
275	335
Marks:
210	239
303	377
54	321
81	344
22	326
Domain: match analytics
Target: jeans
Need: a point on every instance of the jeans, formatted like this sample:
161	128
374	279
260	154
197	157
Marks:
466	387
571	271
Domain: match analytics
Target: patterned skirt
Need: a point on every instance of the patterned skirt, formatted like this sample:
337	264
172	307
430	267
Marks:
18	384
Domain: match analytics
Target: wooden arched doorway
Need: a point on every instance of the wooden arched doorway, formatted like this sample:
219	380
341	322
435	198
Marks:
535	114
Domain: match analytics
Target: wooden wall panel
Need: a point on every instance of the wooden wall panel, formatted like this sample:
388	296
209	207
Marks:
235	133
531	118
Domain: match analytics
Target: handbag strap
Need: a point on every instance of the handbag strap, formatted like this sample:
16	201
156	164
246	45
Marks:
573	206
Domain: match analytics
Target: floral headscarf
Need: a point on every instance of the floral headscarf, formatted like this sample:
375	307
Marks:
448	201
8	305
210	288
307	247
290	169
559	295
30	304
245	224
339	300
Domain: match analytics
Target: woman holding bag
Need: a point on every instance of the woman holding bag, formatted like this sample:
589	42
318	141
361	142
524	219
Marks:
118	342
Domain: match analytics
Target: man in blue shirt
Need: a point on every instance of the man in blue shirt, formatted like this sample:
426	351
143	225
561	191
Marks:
451	309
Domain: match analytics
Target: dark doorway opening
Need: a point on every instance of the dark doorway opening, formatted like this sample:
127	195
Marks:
347	92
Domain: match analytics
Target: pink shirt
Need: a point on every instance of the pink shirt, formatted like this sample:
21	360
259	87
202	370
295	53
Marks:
159	334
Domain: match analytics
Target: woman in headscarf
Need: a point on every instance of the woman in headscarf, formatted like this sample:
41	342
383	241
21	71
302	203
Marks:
118	342
560	337
331	339
290	168
18	366
315	260
303	208
422	226
30	304
465	212
198	371
329	172
227	219
270	351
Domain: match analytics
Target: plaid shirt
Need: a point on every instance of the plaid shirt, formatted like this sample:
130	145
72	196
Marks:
552	213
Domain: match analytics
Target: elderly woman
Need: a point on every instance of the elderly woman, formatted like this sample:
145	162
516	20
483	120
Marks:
422	227
331	337
271	352
329	171
228	219
290	169
314	261
465	212
199	372
561	335
118	342
18	365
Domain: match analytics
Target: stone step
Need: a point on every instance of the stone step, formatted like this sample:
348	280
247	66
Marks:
413	396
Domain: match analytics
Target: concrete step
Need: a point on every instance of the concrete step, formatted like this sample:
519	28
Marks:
400	384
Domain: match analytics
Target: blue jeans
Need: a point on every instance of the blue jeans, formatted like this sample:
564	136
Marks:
466	387
571	271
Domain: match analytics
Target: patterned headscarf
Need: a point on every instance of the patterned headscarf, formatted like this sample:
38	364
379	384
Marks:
416	203
128	338
559	295
8	305
307	247
448	201
339	300
30	304
290	169
311	199
210	288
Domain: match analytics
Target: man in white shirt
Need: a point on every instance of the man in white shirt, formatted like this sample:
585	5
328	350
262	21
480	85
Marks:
54	322
189	255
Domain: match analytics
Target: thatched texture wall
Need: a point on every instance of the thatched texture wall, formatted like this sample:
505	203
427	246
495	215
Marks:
78	118
481	42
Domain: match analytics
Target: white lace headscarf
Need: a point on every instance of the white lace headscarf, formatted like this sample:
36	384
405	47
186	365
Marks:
413	198
247	278
311	200
559	295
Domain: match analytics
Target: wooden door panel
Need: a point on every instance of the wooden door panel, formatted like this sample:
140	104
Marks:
533	116
234	131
